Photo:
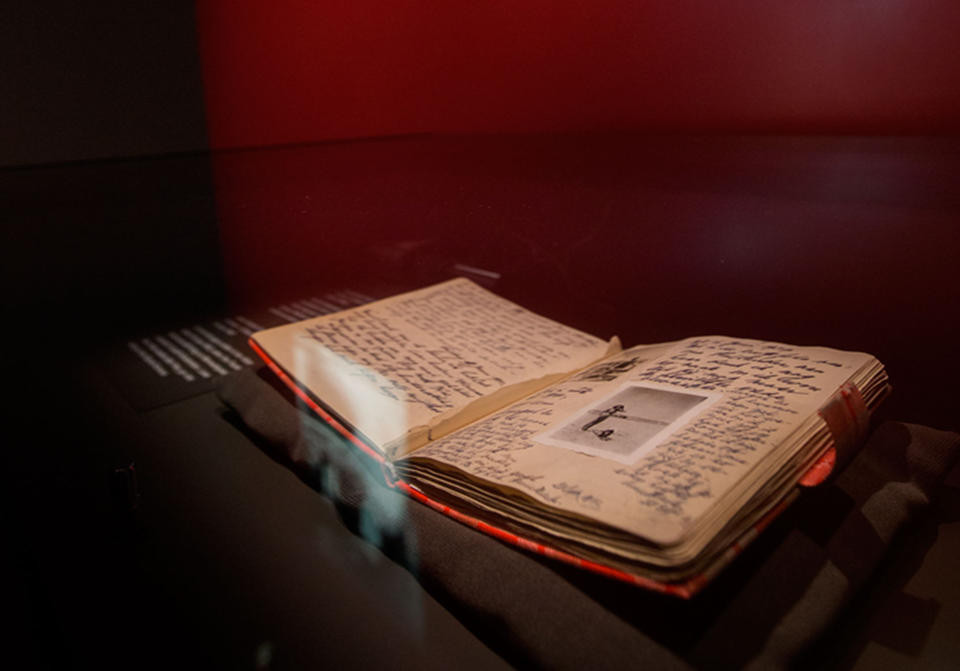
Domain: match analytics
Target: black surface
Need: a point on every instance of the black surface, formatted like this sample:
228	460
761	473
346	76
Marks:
94	249
227	557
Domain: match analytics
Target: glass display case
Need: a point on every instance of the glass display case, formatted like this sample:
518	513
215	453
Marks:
846	242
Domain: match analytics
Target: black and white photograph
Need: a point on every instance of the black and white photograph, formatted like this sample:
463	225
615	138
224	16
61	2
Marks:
629	423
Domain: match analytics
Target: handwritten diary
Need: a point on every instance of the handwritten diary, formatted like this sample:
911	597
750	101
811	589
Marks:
655	464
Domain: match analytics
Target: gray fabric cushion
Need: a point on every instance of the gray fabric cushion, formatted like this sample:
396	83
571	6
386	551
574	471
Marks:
767	610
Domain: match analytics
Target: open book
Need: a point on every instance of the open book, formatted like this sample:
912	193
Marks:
653	464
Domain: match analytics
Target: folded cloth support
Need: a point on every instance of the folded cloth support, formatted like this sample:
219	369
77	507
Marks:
767	610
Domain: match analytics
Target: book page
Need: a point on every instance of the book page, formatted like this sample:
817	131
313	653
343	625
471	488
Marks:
697	417
420	364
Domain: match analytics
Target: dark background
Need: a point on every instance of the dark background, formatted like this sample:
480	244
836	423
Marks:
120	79
89	81
106	216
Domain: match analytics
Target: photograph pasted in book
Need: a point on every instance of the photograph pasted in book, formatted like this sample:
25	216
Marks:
653	464
629	423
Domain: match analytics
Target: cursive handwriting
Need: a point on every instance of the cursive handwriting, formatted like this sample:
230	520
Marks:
444	347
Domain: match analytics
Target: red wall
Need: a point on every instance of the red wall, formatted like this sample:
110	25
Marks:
300	70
